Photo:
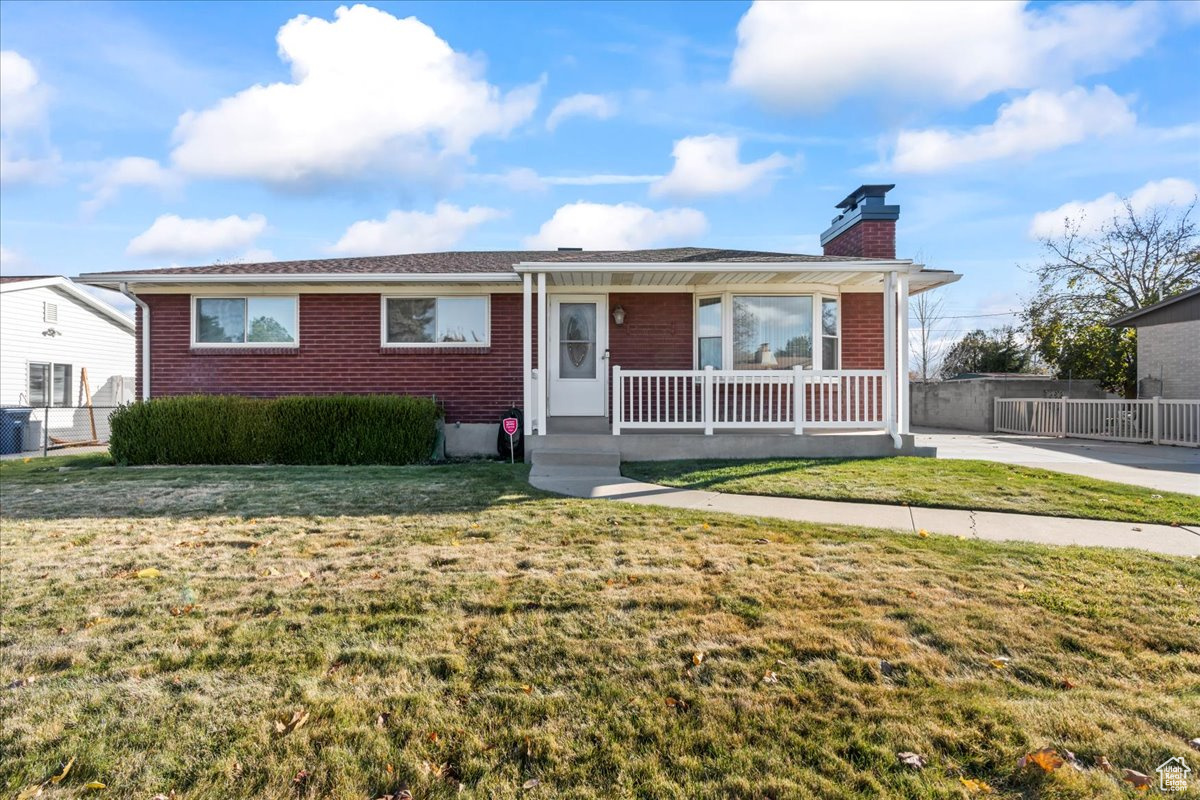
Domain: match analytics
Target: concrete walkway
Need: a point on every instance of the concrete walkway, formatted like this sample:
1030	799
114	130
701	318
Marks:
606	483
1161	467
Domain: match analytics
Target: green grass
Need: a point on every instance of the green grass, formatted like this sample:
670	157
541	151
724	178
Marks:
448	627
934	483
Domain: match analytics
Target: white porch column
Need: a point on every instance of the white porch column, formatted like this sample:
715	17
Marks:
527	349
543	339
902	335
889	352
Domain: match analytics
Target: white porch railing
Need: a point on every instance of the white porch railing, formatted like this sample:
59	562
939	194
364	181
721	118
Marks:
711	399
1156	420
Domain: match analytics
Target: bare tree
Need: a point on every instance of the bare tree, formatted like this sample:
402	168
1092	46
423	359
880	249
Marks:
1089	276
928	349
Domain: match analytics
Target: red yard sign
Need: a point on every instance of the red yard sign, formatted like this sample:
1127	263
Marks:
510	426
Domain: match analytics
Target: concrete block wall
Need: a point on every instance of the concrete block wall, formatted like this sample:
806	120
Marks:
967	405
1171	351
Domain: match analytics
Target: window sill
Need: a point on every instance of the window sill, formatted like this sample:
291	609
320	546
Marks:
244	351
441	351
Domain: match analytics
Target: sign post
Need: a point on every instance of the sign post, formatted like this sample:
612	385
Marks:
510	427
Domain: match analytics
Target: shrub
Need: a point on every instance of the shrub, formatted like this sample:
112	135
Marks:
221	429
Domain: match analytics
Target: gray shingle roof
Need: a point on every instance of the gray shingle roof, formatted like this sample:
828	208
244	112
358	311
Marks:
482	261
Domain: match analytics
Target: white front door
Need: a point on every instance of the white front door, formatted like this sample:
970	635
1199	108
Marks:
578	355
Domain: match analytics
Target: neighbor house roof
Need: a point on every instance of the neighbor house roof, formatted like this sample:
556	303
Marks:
1163	311
20	283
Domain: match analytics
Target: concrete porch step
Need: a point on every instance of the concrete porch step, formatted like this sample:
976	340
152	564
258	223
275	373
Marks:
576	458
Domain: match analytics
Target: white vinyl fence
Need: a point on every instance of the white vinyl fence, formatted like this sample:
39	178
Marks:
711	399
1156	420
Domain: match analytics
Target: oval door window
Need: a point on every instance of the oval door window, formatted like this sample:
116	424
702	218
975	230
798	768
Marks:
577	340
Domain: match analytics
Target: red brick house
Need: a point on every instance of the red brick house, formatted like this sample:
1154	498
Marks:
632	345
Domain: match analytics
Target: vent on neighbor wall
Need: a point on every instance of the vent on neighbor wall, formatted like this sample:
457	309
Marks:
49	312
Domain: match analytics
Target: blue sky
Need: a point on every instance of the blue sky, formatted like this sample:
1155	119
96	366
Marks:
153	134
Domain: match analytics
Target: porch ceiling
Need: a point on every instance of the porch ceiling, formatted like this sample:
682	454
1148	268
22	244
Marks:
919	281
694	278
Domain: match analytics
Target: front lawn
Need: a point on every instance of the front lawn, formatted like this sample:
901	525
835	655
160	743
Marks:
931	482
354	632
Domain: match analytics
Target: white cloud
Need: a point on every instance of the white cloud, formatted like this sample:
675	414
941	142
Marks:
807	55
368	92
709	165
581	105
25	154
9	258
171	235
524	179
129	171
1040	121
596	226
413	231
1092	214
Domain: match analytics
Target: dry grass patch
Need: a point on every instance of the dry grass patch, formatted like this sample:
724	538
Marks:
451	632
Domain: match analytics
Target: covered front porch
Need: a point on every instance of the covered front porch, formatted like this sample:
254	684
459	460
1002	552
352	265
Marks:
734	359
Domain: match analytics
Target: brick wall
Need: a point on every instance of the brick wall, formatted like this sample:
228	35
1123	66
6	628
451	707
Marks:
657	333
1169	350
339	352
872	238
862	331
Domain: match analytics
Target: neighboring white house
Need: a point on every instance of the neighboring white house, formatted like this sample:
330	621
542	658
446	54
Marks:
50	330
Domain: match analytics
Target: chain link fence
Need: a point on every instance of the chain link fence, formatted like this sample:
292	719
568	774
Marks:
55	430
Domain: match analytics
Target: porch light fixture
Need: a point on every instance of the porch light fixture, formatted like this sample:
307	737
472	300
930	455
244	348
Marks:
619	316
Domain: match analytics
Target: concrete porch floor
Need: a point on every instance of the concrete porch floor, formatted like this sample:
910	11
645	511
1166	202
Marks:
580	435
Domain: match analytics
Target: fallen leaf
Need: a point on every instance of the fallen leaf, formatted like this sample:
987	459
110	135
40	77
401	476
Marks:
526	688
94	785
1139	780
530	784
433	736
1067	683
676	703
59	777
1102	763
913	760
1000	662
389	769
148	572
770	677
30	792
697	658
300	777
1046	758
299	717
974	785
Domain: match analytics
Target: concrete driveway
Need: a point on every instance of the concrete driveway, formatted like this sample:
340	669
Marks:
1172	469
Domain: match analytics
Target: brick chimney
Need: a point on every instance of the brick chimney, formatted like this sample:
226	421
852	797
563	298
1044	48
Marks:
866	227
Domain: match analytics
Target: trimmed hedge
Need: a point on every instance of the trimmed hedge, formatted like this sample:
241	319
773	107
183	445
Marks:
222	429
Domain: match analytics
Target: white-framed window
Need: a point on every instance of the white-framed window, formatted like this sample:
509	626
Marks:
831	333
450	321
765	330
245	321
49	384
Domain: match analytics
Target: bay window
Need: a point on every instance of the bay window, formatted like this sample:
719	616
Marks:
435	321
256	321
767	332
